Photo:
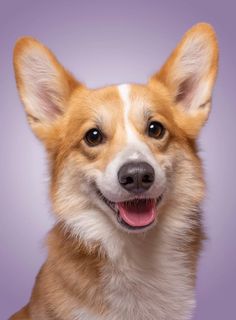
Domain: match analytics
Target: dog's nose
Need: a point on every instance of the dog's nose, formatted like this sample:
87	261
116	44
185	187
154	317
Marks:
136	177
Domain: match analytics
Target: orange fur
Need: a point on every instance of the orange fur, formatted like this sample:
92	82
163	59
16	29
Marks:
57	292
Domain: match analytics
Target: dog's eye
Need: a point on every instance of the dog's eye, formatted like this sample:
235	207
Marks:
156	130
93	137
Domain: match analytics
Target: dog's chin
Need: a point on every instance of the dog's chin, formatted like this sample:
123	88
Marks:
136	215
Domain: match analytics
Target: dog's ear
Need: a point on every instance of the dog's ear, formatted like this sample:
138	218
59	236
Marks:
44	85
189	75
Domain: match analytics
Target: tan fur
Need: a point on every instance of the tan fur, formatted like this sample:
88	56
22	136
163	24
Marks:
79	273
22	314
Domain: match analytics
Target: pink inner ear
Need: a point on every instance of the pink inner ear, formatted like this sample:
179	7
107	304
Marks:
41	81
186	91
47	99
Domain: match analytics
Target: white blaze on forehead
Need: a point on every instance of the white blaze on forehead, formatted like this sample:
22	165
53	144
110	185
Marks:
124	91
135	146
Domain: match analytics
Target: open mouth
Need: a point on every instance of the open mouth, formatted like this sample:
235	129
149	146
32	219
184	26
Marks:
135	214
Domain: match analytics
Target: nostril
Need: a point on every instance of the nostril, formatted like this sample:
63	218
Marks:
127	180
147	178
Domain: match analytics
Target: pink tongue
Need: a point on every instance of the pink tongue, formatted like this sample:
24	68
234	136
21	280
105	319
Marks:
137	213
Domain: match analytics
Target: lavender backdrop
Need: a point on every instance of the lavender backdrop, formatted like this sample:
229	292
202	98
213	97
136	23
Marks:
105	42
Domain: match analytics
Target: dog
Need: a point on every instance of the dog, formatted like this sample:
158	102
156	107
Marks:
126	184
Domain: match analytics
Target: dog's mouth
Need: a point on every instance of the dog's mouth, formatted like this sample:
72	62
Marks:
135	214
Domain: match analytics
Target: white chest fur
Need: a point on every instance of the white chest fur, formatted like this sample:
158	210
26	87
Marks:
147	281
148	285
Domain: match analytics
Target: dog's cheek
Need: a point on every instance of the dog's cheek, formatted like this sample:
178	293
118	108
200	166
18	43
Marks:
68	188
188	181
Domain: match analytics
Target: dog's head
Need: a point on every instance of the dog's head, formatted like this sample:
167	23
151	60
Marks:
120	155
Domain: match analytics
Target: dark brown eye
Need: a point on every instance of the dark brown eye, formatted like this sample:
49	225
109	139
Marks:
156	130
93	137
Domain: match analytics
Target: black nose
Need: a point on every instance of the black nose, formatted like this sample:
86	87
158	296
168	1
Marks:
136	177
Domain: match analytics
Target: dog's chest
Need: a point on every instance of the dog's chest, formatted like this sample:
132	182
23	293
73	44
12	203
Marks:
133	294
142	285
148	289
144	294
129	294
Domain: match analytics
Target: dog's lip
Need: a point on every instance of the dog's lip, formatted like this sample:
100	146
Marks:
113	206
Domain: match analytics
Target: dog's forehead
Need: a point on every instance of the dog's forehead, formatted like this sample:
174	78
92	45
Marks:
126	99
120	107
134	97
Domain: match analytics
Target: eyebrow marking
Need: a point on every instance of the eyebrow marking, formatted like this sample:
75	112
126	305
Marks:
147	114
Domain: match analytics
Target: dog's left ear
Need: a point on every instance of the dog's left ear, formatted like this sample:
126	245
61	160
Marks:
189	75
45	86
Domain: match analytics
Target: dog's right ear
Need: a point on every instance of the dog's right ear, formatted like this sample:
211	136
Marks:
44	85
189	75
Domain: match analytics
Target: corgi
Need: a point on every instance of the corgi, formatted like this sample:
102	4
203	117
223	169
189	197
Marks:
126	184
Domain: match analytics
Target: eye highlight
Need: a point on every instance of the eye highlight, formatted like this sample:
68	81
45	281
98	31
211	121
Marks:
93	137
156	130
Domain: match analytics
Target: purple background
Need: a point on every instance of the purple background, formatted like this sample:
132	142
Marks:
105	42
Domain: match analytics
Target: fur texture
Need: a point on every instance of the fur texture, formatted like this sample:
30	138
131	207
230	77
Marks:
96	268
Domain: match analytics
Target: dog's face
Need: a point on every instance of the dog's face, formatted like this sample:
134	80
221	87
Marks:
119	155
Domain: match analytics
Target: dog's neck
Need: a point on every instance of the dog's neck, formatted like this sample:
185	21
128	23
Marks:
157	262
